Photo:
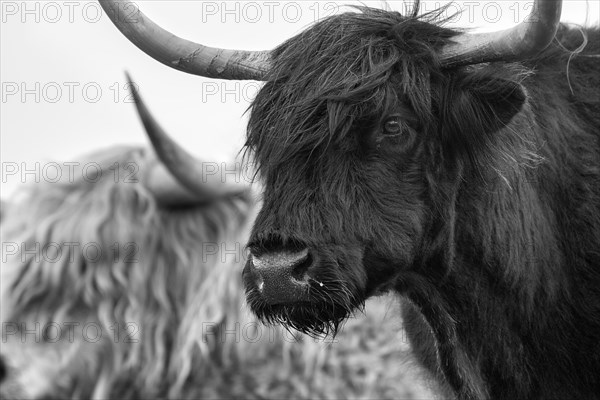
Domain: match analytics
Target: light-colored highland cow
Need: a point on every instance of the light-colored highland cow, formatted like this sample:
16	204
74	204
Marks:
142	275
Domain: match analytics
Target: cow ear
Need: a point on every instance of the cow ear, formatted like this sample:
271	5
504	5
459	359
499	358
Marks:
475	107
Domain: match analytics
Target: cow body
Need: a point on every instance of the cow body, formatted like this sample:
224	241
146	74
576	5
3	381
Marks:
519	317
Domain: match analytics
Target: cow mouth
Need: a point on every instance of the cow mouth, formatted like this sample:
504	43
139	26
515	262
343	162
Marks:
319	317
301	290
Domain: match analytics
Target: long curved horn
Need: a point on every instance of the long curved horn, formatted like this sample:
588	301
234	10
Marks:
181	177
182	54
526	39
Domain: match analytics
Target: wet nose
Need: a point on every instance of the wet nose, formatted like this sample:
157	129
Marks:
282	276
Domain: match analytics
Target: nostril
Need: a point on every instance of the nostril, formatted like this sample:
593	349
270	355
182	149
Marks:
300	269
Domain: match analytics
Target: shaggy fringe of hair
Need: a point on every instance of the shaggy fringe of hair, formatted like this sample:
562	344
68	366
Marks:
322	96
167	284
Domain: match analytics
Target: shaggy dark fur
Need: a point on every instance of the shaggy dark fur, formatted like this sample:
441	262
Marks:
483	210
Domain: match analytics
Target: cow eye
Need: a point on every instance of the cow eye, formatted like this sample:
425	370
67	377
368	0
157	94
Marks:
392	126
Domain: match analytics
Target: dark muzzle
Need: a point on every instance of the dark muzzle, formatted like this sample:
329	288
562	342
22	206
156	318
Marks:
282	276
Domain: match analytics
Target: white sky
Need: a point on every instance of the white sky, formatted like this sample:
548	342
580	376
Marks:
62	66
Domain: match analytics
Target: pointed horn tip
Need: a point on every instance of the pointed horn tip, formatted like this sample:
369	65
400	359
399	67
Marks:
132	88
151	127
128	76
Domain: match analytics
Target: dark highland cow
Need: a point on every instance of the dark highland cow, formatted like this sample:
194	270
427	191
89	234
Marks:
461	172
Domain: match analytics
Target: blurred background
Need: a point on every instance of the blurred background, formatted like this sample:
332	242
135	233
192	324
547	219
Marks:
62	72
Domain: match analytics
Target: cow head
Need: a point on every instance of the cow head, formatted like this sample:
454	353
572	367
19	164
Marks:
366	122
354	147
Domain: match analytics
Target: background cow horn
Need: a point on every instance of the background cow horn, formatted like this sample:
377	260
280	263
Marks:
182	54
181	177
526	39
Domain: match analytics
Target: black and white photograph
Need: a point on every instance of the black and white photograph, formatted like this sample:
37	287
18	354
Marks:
300	199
